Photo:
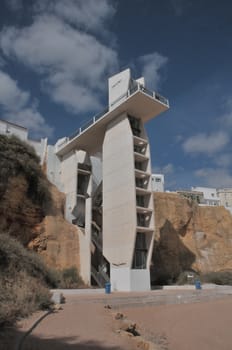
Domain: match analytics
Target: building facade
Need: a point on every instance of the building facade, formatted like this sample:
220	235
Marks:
210	195
157	181
225	196
105	171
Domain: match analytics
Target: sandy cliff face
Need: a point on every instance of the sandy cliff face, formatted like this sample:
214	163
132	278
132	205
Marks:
189	237
18	214
57	240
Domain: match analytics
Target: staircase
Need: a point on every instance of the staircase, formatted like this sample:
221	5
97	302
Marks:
100	277
98	263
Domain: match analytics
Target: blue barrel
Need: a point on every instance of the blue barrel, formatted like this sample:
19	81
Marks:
108	288
197	284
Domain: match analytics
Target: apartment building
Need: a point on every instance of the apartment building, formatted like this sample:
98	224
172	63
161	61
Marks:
210	195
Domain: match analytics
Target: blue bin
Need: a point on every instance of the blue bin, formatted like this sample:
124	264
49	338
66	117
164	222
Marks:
107	288
197	284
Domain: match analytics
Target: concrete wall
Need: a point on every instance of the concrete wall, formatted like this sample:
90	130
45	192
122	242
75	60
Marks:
125	279
54	168
118	87
96	162
119	199
40	148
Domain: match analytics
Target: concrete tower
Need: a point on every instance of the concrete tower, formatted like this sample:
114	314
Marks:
105	171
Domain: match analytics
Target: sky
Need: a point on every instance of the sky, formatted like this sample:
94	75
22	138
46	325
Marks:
56	57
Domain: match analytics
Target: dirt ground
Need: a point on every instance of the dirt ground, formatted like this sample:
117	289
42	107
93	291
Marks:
201	326
88	323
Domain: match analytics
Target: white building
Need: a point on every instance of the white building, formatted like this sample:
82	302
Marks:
225	196
104	169
157	182
210	195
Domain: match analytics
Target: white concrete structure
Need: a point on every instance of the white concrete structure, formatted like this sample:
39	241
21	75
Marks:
210	195
157	182
104	169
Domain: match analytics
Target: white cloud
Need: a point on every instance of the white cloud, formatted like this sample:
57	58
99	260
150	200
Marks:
72	63
223	160
11	97
88	14
17	107
166	169
151	65
31	119
206	144
227	119
218	178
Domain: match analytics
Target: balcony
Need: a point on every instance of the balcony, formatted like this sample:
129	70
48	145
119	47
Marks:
140	140
141	173
143	219
143	210
142	191
142	182
140	102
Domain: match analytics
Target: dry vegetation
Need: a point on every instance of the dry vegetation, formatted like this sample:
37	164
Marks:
24	281
24	200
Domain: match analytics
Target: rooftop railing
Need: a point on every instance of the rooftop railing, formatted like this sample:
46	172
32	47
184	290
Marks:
137	87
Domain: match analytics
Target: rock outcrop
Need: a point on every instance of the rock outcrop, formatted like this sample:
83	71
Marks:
18	214
57	241
189	237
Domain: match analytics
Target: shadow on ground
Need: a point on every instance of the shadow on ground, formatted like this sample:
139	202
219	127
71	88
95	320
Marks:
10	338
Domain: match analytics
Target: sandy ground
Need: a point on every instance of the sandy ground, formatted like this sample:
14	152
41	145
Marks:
174	321
201	326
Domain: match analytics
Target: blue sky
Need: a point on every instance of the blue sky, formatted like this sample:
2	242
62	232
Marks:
56	56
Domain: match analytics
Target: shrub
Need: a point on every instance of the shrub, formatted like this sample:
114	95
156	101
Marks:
70	278
18	158
23	281
219	277
187	277
15	258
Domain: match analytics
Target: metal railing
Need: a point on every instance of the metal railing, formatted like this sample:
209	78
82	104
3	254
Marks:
97	240
98	116
100	277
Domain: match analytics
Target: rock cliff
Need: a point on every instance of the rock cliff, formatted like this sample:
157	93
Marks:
57	241
189	237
